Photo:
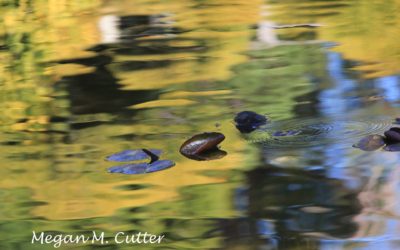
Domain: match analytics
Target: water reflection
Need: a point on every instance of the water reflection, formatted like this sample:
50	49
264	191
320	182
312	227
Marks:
303	203
98	92
318	208
82	80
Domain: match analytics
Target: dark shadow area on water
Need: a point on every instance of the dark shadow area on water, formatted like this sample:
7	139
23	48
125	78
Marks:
99	91
286	208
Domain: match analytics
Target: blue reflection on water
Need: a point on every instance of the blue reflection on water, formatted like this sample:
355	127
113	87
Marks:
344	197
390	88
336	100
333	100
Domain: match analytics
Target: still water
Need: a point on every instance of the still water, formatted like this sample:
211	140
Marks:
80	80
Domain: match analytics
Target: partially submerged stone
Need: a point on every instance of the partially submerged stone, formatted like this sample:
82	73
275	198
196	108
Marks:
393	135
203	146
370	143
248	121
142	168
133	155
392	147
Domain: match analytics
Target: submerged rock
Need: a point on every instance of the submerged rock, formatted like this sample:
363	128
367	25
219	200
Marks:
139	168
393	135
159	165
392	147
370	143
142	168
133	168
135	155
397	120
203	146
248	121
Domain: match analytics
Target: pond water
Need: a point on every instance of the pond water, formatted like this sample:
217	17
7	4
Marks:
81	80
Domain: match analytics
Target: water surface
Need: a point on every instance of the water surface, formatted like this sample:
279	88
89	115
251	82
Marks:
80	80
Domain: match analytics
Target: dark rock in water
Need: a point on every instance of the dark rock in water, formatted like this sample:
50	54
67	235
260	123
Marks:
370	143
396	129
393	135
248	121
139	168
135	155
392	147
397	120
286	133
203	146
142	168
201	143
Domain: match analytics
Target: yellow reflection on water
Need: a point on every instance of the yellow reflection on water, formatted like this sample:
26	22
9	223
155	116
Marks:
80	187
365	31
71	179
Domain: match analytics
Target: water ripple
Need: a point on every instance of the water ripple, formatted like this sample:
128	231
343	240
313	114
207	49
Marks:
319	131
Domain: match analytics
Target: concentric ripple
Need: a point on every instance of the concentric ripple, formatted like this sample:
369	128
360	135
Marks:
318	131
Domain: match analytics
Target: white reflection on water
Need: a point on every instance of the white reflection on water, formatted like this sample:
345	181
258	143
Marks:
389	85
109	31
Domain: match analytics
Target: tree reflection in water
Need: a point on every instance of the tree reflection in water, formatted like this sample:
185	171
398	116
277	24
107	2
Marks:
288	207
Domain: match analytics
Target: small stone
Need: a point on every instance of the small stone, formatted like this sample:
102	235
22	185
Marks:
201	146
200	143
396	129
392	147
370	143
393	135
